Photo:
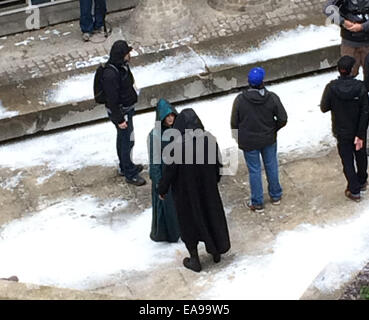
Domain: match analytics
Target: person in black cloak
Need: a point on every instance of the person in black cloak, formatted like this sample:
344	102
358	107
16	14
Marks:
194	177
164	225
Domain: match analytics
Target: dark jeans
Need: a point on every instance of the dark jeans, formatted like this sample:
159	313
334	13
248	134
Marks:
87	22
125	145
349	156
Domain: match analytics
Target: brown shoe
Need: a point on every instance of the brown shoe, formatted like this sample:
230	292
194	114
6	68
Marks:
258	208
353	197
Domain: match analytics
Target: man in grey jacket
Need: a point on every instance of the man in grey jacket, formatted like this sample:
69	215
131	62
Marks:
258	114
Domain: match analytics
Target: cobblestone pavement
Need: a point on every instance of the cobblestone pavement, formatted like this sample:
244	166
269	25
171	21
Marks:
59	48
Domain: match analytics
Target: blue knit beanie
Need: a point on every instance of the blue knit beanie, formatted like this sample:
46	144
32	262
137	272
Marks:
256	76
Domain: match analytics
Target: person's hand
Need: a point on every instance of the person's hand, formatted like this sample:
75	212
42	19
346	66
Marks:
123	125
348	24
161	197
356	27
358	143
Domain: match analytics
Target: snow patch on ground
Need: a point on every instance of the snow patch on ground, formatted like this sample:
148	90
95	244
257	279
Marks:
11	183
167	70
69	150
24	42
308	131
74	89
298	258
91	62
284	43
78	241
42	179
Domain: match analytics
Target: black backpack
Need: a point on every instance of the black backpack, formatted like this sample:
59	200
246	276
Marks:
98	82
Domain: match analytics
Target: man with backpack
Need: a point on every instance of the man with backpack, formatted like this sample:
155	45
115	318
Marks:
119	95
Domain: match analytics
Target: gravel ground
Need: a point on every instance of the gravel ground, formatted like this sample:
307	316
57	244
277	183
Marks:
358	289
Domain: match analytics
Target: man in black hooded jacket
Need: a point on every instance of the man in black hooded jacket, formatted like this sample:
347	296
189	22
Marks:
118	86
347	99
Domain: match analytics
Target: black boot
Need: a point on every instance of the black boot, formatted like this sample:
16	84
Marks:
216	257
193	263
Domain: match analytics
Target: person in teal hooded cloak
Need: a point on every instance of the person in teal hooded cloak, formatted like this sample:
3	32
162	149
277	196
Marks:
164	225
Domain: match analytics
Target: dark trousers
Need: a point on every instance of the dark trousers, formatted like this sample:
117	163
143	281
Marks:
125	143
87	22
191	246
349	156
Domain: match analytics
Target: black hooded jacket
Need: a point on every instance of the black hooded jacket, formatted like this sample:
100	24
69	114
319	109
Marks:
118	86
257	114
347	99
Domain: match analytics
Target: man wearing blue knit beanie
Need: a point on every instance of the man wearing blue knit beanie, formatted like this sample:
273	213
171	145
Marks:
258	114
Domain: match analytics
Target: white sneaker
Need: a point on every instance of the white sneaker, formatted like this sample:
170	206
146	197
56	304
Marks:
86	37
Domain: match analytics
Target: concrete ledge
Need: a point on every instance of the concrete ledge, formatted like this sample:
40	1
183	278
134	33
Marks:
221	80
50	15
22	291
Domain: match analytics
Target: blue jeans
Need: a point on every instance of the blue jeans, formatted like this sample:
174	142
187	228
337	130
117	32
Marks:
124	149
270	160
87	23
